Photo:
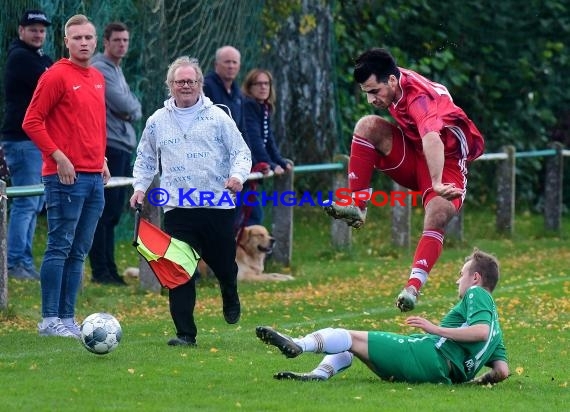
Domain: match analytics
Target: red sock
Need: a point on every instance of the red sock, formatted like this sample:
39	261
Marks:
427	253
361	164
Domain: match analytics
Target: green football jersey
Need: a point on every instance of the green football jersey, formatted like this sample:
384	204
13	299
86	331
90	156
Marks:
467	358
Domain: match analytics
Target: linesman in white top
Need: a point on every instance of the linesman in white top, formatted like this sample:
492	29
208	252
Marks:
200	150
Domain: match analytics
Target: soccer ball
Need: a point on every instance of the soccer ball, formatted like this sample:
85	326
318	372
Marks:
101	333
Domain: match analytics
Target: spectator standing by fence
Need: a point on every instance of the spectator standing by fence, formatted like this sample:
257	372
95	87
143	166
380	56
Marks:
123	108
66	119
258	107
428	151
25	63
221	86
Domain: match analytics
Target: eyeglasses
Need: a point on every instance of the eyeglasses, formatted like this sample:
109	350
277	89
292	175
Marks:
266	84
190	83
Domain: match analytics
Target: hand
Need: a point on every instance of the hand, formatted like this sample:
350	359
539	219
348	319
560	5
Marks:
233	185
106	173
448	191
136	199
422	323
278	170
65	169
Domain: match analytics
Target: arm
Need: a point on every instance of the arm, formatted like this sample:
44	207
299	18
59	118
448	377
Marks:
48	92
424	112
122	104
146	162
24	69
280	163
433	151
473	333
435	159
253	126
240	155
499	372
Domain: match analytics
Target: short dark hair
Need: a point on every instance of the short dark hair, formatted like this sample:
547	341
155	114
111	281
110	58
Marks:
487	266
113	27
378	62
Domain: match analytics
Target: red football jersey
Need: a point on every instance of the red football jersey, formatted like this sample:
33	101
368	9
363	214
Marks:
427	106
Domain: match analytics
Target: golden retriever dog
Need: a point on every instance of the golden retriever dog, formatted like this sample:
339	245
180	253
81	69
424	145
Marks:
254	244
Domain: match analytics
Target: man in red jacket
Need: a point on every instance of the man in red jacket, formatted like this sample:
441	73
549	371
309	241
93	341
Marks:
66	120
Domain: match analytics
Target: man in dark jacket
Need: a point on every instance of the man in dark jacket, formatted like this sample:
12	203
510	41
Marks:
25	63
221	87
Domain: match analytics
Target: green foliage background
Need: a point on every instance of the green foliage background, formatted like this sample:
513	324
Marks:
505	63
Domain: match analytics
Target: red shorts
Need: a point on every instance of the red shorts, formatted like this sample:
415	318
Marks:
408	167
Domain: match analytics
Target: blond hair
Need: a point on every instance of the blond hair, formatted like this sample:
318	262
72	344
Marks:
77	20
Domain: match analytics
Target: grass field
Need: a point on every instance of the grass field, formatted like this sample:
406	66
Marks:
231	370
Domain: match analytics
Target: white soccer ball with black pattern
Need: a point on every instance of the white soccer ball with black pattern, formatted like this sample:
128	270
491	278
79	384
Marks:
101	333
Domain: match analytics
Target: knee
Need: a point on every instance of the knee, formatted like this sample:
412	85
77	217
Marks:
438	219
373	128
439	212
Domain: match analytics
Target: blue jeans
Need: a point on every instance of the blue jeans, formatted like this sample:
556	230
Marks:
25	163
72	215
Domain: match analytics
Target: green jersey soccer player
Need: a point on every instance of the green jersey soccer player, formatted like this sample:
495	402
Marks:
468	338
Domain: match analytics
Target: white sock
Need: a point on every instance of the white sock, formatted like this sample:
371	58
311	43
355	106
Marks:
333	364
420	274
48	320
327	340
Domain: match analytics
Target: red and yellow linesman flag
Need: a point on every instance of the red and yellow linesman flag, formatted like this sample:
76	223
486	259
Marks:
172	261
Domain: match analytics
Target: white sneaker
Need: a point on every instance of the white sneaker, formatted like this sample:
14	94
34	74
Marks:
55	328
74	328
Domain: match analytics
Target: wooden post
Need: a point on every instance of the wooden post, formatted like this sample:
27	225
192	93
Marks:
553	189
282	229
341	233
506	192
455	226
401	219
3	246
147	279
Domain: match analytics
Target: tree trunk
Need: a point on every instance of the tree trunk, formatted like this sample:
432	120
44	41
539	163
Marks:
300	59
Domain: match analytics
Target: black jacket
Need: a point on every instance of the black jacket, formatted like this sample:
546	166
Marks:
24	66
261	140
215	90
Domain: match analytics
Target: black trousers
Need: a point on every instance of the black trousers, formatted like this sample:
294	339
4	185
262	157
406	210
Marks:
210	232
102	253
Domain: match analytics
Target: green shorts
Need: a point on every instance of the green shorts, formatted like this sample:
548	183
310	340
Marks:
407	358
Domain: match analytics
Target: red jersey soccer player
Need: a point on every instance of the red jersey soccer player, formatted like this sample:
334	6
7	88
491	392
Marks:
427	151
